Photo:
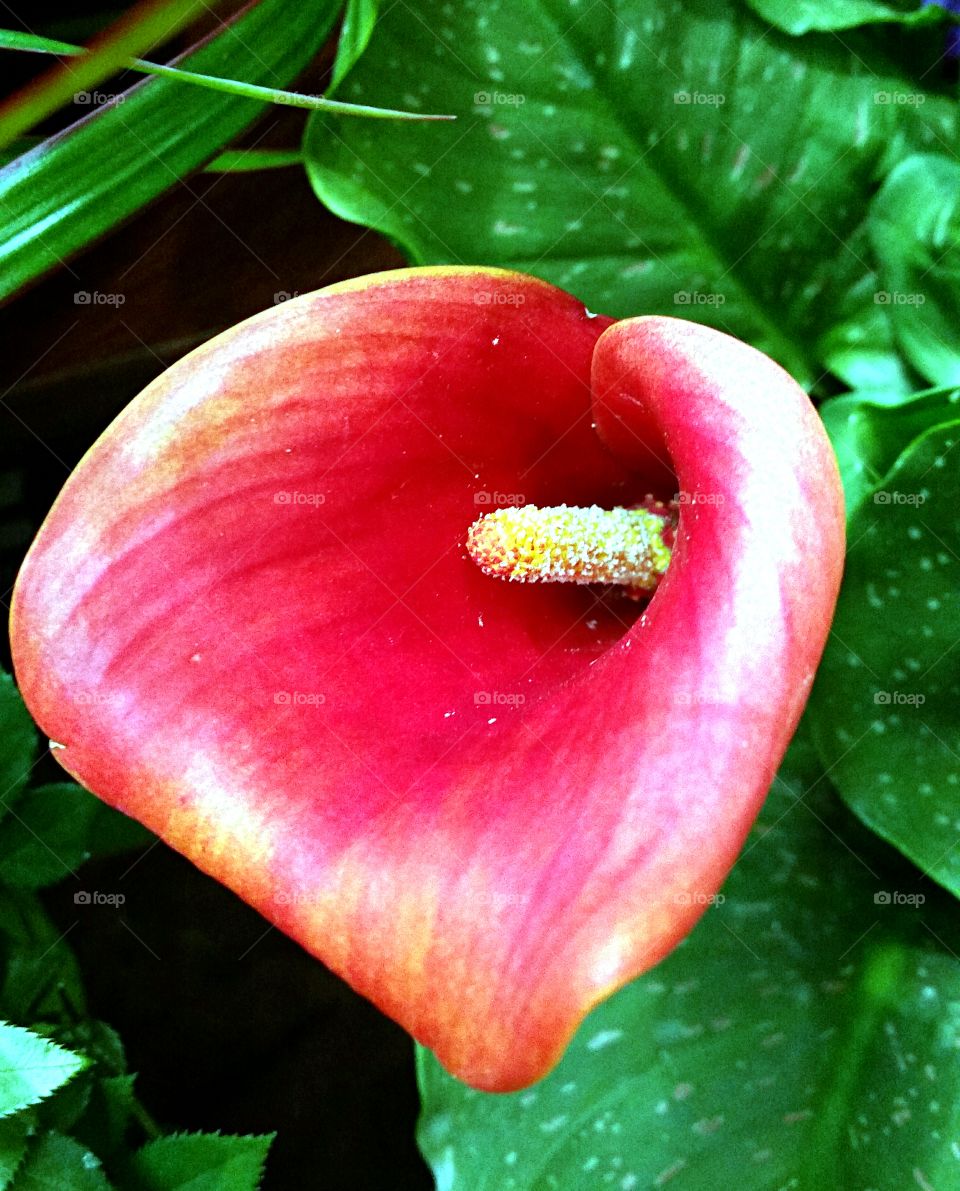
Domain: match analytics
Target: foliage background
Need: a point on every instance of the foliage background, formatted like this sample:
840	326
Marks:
783	169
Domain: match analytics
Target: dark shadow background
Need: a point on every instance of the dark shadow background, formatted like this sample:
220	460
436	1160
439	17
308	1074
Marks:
229	1024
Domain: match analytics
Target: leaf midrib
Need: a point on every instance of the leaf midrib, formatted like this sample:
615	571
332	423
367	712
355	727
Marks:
793	348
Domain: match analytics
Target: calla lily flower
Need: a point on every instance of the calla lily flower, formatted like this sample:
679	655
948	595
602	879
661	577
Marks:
250	621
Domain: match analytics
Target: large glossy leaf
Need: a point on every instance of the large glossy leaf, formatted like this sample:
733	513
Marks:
695	162
800	16
359	17
884	707
859	347
67	191
803	1037
915	229
869	430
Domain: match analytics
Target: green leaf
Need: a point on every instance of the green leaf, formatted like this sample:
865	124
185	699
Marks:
200	1162
108	1116
39	971
20	145
915	229
17	39
870	430
18	742
803	1037
154	23
884	707
31	1068
101	1047
58	1163
14	1134
358	20
695	163
293	99
52	830
859	347
72	188
99	1042
241	161
61	1113
800	16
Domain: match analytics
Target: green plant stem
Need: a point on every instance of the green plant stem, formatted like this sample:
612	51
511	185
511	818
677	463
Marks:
12	40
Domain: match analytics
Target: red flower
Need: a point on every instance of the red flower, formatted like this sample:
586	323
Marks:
251	623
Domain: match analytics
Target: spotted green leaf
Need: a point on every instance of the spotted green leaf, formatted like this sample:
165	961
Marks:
884	707
859	347
803	1037
915	229
869	430
682	159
